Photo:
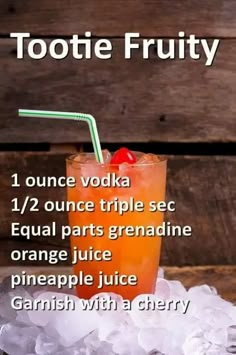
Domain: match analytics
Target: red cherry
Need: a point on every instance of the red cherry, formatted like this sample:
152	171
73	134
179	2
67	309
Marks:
123	155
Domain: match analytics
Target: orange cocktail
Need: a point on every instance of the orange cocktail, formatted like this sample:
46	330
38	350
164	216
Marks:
131	255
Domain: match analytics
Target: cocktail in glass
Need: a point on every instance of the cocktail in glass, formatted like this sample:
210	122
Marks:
131	255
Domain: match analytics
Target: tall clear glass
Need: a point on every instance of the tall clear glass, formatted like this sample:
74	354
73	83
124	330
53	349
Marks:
130	255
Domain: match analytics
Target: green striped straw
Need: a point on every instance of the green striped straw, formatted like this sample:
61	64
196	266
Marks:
70	116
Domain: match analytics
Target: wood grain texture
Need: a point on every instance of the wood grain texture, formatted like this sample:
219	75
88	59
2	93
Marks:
203	188
222	277
115	17
133	100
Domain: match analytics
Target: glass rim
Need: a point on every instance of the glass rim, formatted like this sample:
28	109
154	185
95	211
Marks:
70	159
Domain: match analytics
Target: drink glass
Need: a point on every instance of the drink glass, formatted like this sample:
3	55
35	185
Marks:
130	255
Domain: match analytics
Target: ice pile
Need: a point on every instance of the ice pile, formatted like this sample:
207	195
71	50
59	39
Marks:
207	328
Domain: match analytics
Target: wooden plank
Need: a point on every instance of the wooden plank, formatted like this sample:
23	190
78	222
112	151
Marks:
222	277
133	100
115	17
203	188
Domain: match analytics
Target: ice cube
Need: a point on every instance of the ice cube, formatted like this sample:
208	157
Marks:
72	325
36	290
162	289
208	329
125	342
116	301
180	325
144	318
202	297
215	317
16	339
232	314
124	169
216	350
202	290
196	344
88	158
46	345
231	339
104	349
6	310
106	156
19	291
50	331
177	290
153	339
217	336
111	318
2	321
5	285
84	158
73	351
161	340
108	324
148	158
93	345
41	317
160	273
92	341
23	317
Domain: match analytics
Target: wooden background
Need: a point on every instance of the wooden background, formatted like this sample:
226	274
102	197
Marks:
157	105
